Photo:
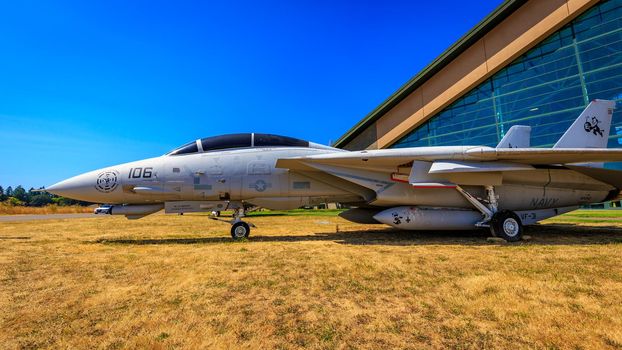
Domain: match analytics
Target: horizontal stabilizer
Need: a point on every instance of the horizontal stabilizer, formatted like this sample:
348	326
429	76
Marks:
517	137
388	160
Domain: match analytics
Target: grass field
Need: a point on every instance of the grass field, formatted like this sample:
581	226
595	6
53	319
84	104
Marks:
307	281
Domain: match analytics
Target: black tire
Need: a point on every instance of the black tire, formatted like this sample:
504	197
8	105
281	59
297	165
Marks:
240	230
507	225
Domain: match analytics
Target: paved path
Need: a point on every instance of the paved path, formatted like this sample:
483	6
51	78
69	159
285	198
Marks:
8	218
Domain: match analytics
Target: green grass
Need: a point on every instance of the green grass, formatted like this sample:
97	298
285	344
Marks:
577	220
588	216
595	213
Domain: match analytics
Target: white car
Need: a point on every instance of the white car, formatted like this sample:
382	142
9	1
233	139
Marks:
104	209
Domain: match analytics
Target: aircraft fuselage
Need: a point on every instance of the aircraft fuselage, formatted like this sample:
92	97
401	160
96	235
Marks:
250	175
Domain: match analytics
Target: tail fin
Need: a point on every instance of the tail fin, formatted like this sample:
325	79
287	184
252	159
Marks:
517	137
591	129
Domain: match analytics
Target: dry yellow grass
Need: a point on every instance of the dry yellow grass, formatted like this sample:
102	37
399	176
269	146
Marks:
6	209
178	281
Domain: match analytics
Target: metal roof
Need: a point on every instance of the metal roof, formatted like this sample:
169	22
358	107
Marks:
499	14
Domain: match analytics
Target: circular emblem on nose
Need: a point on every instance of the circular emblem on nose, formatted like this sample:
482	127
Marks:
107	181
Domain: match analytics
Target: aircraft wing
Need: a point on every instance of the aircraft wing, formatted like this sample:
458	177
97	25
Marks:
546	155
374	160
380	170
389	159
377	160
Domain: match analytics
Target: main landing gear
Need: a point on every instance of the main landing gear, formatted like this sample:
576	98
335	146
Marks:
507	225
502	223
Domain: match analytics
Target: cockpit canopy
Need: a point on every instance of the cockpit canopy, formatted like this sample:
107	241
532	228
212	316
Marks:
234	141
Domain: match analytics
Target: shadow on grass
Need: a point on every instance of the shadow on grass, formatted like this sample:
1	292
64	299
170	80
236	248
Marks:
549	234
250	215
260	214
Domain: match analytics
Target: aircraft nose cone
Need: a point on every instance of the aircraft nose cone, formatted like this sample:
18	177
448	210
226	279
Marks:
64	188
88	187
72	187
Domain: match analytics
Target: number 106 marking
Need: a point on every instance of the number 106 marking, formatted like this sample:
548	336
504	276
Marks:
137	173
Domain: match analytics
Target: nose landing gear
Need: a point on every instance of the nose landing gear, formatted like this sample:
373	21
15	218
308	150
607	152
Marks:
239	229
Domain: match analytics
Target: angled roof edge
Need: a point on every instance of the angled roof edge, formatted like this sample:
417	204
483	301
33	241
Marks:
482	28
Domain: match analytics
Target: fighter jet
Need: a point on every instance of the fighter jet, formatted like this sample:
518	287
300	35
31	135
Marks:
419	188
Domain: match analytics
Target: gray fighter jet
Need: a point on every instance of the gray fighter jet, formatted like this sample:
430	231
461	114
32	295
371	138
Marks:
422	188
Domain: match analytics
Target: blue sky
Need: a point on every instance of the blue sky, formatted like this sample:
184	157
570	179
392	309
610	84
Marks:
88	84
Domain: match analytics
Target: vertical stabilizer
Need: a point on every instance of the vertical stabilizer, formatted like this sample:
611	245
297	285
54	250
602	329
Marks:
591	129
517	137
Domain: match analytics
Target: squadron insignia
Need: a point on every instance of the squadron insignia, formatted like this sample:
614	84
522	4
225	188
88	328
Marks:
107	181
592	126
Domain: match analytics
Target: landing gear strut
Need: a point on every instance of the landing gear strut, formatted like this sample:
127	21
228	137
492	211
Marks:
502	223
239	229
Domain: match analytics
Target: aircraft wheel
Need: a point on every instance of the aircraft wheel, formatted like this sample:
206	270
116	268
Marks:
507	225
240	230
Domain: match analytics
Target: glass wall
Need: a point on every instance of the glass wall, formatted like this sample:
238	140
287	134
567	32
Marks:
547	88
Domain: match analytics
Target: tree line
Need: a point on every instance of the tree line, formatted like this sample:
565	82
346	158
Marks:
18	196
